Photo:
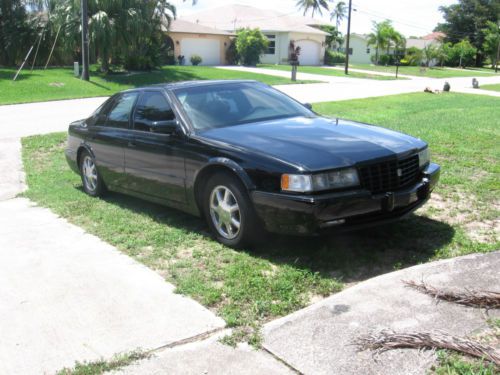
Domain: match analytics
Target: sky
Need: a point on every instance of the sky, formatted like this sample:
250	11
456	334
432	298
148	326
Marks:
410	17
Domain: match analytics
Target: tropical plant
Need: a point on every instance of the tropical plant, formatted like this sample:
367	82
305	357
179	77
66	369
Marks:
232	57
491	43
250	44
313	6
380	37
195	60
334	37
430	52
443	53
339	12
127	32
414	56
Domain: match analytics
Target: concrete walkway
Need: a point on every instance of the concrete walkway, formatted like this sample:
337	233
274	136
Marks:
318	340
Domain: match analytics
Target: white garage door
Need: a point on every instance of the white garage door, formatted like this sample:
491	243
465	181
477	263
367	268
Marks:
309	52
208	49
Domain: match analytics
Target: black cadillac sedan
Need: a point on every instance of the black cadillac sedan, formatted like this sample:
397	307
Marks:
247	157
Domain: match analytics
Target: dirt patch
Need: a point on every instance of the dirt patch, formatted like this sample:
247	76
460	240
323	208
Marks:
466	211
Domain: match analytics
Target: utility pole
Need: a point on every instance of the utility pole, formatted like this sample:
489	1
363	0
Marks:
85	41
348	38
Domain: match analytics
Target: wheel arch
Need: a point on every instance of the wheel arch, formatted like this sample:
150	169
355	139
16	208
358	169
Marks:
83	147
219	165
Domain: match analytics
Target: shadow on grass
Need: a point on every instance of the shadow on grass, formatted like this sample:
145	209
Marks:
350	257
165	75
23	75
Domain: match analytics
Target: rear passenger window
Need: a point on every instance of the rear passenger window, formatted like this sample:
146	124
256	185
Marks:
152	107
119	115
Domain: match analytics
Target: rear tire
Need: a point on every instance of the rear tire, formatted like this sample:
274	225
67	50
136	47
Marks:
91	179
229	212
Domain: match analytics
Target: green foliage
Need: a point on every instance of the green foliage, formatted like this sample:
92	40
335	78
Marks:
196	60
102	366
492	41
469	19
334	58
334	37
455	364
383	37
339	12
232	57
462	54
17	33
414	56
386	59
313	6
250	44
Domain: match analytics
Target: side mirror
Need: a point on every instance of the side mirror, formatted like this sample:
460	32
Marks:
308	106
164	127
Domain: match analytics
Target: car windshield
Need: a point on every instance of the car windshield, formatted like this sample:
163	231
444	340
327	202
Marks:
229	104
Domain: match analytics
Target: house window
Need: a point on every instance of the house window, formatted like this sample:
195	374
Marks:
350	51
271	47
368	51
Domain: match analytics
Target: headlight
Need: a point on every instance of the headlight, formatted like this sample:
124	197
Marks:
322	181
424	157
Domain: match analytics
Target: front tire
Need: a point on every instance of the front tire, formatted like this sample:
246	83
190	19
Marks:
91	179
229	212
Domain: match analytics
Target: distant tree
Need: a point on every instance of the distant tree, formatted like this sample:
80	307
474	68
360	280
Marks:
442	52
339	12
468	19
334	37
313	6
380	37
463	52
250	44
430	52
491	43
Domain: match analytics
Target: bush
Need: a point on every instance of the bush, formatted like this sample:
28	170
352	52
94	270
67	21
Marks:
232	57
250	44
385	60
414	56
181	59
333	57
196	60
461	54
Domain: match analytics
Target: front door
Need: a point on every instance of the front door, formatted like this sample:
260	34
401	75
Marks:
154	163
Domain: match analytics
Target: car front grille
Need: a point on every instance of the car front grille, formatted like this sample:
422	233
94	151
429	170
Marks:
383	177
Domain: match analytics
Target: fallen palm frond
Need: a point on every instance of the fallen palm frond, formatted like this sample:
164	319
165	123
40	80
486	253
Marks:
388	339
475	298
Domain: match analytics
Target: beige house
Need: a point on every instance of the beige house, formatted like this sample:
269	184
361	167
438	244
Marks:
279	28
188	39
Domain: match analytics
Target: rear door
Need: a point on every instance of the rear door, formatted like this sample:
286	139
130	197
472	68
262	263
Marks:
109	135
154	162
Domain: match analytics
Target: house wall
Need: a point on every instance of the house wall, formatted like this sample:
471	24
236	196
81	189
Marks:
281	50
224	40
360	54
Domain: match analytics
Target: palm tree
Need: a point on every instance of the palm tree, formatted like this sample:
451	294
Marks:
313	5
380	37
430	52
126	30
339	13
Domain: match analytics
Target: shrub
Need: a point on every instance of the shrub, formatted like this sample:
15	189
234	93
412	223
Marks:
333	57
250	44
462	54
385	60
196	60
414	56
232	57
181	59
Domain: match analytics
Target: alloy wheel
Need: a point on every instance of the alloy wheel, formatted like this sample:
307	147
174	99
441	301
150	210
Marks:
225	212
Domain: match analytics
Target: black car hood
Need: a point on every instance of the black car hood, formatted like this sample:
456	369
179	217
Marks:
316	143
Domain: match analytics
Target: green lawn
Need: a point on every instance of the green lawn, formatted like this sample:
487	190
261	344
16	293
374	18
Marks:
250	287
495	87
435	72
59	83
327	72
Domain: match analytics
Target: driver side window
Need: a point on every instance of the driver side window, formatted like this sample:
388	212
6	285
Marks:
151	108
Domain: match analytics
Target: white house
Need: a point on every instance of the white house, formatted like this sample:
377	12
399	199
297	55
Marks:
278	27
359	51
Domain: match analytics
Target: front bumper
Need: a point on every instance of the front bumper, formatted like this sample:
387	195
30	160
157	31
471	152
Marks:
310	214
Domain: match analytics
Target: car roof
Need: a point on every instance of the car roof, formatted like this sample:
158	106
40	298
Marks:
194	83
